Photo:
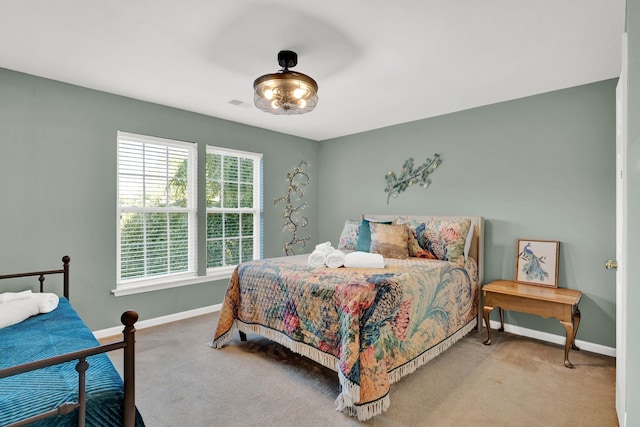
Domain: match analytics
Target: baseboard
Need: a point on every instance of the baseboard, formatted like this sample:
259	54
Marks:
117	330
518	330
552	338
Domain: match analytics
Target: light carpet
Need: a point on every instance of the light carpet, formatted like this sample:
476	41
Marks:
516	381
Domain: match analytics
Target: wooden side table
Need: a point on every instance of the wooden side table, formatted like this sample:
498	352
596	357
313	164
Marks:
560	303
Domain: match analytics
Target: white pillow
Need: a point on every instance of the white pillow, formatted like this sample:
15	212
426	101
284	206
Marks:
467	242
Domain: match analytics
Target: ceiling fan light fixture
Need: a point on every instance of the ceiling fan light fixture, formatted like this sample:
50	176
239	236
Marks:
285	92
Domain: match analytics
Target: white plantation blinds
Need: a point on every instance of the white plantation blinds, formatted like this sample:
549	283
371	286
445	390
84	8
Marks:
156	207
233	193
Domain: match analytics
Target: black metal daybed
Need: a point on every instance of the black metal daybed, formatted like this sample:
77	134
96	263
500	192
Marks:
54	372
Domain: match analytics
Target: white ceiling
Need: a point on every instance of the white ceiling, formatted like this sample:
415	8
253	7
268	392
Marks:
377	63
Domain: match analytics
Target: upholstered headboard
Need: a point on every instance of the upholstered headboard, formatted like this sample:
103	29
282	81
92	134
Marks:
477	245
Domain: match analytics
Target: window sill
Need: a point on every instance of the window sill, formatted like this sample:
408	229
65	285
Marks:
138	288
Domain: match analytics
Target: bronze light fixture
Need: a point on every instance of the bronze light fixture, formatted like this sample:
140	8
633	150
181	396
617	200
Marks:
286	92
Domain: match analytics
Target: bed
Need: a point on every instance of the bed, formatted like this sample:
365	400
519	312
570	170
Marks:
372	326
53	371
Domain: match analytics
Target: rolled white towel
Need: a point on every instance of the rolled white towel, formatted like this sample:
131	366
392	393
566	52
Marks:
46	302
323	245
335	259
363	260
16	311
12	296
325	250
317	259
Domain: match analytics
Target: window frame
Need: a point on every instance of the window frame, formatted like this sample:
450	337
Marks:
151	282
196	274
256	210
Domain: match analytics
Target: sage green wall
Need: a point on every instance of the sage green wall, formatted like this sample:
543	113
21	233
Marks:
540	167
633	213
58	187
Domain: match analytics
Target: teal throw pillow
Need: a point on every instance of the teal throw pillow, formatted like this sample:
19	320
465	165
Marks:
364	238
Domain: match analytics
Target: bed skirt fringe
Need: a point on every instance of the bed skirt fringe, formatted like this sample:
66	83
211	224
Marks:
224	338
350	393
325	359
432	353
363	412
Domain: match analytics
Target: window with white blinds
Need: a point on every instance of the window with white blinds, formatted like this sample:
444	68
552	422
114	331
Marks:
233	199
157	219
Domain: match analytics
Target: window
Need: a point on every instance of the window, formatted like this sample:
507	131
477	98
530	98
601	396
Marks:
233	193
156	208
158	221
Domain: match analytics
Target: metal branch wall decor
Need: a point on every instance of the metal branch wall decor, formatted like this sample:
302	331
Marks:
293	219
409	176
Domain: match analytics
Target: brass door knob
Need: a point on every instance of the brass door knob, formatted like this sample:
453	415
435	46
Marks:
610	264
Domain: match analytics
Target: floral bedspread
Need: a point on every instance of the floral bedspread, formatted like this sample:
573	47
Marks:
372	326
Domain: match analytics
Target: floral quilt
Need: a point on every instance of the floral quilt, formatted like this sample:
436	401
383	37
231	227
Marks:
372	326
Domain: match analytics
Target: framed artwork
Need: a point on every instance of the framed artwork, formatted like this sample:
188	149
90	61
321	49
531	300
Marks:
537	262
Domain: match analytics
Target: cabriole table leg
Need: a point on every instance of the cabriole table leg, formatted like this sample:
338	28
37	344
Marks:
576	324
570	332
486	312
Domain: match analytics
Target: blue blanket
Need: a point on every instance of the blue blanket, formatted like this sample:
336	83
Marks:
46	335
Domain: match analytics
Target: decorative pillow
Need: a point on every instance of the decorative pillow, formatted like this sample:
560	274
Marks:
446	239
425	240
418	245
415	250
349	235
364	237
390	241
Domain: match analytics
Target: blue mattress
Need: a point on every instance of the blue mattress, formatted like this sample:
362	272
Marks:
47	335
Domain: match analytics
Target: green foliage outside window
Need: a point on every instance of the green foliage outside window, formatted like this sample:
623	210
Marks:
229	187
162	238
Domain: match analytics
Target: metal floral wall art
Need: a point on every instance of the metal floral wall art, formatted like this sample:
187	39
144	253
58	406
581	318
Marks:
410	176
294	221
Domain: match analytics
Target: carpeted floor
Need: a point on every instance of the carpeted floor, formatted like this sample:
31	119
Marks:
516	381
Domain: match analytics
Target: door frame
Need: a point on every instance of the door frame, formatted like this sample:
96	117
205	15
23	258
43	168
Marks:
621	237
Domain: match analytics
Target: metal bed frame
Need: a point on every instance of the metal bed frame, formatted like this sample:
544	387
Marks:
127	344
